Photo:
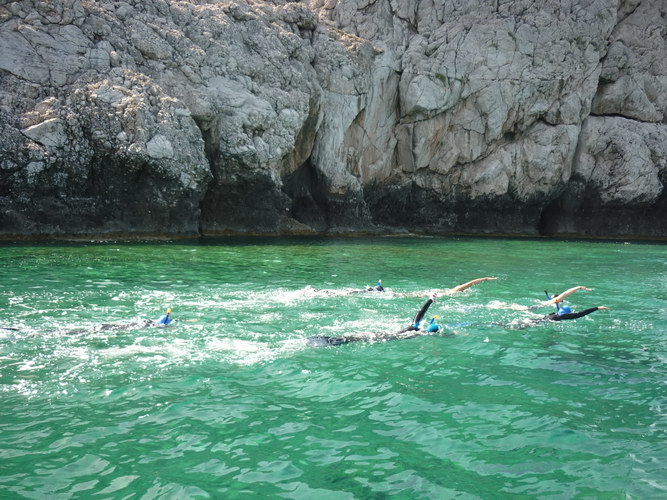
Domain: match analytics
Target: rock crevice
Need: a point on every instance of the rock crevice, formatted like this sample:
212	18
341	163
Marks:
186	117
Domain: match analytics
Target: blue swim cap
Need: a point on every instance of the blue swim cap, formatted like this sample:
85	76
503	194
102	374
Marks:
432	328
565	310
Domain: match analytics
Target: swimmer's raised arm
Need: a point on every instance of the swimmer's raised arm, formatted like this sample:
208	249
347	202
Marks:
414	326
558	298
467	285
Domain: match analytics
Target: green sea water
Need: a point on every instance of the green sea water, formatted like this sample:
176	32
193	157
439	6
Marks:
230	402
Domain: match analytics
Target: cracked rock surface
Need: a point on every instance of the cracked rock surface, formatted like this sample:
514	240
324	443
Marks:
170	117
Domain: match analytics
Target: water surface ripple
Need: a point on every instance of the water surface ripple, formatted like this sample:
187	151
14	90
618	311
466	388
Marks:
230	402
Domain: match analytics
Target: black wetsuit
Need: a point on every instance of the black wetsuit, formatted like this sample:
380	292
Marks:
418	317
325	340
561	317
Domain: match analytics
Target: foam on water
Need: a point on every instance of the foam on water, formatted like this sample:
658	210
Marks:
230	400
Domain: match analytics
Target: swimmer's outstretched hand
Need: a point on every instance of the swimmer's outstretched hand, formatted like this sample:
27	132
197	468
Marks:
467	285
555	299
433	297
603	308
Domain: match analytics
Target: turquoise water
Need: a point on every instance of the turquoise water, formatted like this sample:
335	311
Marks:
229	402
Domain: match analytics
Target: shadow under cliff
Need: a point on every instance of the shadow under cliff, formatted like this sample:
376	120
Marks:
588	219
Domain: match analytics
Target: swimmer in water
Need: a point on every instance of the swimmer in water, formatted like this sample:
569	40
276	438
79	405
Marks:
165	319
377	288
416	328
432	326
566	312
563	313
417	320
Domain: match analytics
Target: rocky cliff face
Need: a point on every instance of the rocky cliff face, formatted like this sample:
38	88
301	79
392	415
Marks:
187	117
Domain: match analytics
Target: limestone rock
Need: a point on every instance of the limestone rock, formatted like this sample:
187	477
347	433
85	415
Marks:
159	147
634	71
49	133
620	162
617	186
190	117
